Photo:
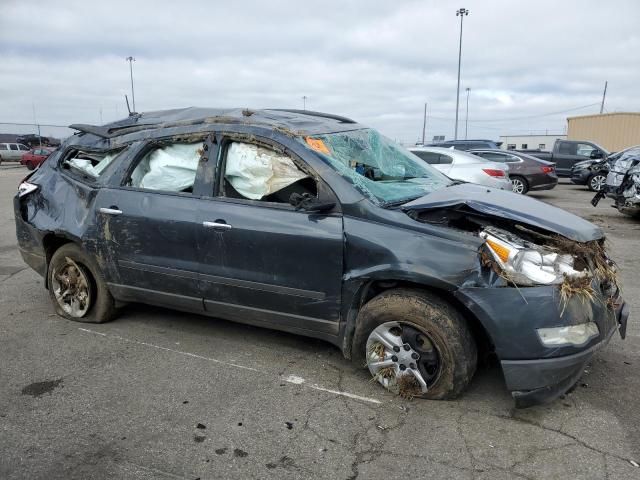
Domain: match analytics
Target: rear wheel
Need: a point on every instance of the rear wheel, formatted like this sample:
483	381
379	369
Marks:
76	287
415	344
519	185
596	182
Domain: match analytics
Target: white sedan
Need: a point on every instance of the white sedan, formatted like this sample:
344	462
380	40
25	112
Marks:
464	166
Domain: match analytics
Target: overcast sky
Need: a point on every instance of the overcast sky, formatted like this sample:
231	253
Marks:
375	61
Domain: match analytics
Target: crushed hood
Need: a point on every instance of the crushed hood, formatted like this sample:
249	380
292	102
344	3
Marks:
519	208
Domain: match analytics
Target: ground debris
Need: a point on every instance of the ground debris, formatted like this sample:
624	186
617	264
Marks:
408	386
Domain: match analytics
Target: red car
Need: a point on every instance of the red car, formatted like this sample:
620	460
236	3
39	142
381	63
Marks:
35	157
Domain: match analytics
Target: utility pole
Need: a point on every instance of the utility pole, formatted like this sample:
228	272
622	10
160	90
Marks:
604	94
304	102
33	106
466	121
424	123
133	95
462	12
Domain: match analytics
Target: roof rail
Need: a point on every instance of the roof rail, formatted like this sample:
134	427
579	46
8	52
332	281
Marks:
314	114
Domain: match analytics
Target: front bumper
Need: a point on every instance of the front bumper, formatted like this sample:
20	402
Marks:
534	382
580	177
533	372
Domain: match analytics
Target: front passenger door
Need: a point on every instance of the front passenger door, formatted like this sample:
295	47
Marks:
264	262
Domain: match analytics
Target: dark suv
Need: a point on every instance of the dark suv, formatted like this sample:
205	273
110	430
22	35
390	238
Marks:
316	225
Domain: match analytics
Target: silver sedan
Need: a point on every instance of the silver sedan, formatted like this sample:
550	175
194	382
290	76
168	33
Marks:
464	166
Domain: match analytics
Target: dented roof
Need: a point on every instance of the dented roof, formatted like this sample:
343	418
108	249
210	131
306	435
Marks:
298	122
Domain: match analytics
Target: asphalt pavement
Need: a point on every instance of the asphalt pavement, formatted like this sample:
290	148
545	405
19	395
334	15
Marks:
159	394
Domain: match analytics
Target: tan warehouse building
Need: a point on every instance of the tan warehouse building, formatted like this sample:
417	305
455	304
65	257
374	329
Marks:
613	131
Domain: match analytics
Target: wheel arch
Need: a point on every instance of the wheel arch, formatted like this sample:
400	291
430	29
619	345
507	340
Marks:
367	290
51	242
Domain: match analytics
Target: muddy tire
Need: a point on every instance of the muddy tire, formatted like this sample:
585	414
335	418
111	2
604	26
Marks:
419	314
76	287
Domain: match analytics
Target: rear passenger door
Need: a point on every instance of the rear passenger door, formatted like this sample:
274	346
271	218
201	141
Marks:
150	223
262	261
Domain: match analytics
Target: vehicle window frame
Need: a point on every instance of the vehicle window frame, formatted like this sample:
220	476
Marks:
324	191
140	149
79	175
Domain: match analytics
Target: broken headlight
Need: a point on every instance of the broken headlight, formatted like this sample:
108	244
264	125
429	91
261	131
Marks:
572	335
526	264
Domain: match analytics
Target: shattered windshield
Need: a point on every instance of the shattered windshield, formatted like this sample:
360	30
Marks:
379	168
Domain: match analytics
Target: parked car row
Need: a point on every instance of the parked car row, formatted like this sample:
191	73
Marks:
18	152
314	224
507	170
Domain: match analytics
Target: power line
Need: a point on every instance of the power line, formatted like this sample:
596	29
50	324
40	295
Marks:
509	119
32	124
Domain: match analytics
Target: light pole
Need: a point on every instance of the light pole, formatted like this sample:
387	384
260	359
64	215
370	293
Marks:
466	120
462	12
304	102
133	95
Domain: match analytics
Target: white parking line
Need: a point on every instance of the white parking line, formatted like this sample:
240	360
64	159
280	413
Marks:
293	379
296	380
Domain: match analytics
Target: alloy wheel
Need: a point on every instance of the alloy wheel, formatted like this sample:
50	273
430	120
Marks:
71	288
517	185
400	354
597	182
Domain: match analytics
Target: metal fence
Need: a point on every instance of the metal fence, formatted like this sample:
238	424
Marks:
9	131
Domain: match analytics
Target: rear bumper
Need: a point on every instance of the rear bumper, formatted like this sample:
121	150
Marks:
534	382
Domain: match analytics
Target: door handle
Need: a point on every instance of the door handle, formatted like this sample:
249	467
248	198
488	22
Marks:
219	224
111	211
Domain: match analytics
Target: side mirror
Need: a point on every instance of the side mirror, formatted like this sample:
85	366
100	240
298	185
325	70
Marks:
596	154
309	203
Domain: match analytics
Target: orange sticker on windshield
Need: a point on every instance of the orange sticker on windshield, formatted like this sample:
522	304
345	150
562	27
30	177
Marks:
317	145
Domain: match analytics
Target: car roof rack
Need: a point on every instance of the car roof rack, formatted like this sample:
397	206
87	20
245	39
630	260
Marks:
314	114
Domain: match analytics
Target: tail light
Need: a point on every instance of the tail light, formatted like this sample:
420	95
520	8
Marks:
493	172
547	169
26	188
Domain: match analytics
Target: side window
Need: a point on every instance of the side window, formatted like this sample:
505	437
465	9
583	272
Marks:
13	146
512	159
253	172
23	147
585	150
567	148
3	146
429	157
493	157
168	168
445	160
91	164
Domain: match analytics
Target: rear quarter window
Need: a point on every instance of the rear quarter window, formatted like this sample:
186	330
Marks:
89	165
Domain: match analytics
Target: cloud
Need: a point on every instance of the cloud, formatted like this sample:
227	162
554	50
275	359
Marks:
375	61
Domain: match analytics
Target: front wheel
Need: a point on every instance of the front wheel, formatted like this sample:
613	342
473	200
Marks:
76	287
415	344
519	185
30	166
596	182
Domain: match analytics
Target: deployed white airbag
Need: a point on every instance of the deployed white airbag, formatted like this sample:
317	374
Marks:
171	168
256	171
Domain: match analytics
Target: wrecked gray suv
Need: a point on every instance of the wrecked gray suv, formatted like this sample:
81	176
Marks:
313	224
